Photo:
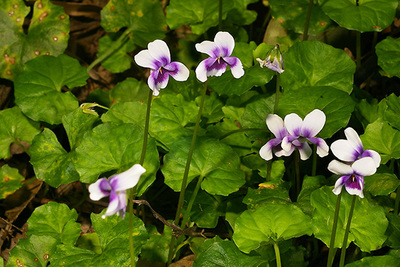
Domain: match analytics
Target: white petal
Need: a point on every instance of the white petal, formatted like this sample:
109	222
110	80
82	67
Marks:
209	48
293	124
305	151
313	123
236	66
178	71
225	42
201	71
275	124
343	150
338	186
97	191
285	153
354	139
375	156
127	179
113	205
144	59
355	191
338	167
322	149
159	50
156	83
266	152
364	167
286	144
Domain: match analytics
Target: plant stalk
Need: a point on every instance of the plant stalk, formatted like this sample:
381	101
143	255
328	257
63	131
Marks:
358	50
277	255
314	161
278	86
297	169
332	250
186	216
346	233
306	26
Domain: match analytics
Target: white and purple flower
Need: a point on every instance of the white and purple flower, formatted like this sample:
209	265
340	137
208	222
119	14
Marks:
115	188
273	61
302	130
157	58
219	52
352	149
276	126
352	175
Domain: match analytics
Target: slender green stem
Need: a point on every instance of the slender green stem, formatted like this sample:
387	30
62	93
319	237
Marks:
332	250
297	168
306	26
191	201
314	161
22	147
114	47
269	170
133	190
346	233
220	15
186	173
397	200
277	255
358	50
242	130
278	86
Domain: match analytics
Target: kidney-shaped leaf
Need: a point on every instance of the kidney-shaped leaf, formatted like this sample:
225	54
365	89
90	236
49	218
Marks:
10	180
38	88
388	52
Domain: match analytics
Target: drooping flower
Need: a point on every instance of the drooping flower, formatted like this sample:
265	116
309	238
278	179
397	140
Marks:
276	126
115	188
352	149
301	131
158	58
219	52
352	175
273	61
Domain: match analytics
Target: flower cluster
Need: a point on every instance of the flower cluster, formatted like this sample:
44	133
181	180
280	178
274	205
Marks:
293	132
357	163
273	61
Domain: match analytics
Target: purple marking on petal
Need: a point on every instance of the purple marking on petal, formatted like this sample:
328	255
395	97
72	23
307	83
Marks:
306	133
282	133
225	52
366	153
164	61
216	52
274	142
160	78
215	66
353	182
297	131
105	187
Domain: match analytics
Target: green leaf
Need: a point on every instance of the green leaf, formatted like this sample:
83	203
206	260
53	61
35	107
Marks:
38	88
35	251
367	16
267	195
212	109
111	147
388	52
393	231
293	16
157	246
310	184
367	238
14	128
130	90
10	180
381	184
113	233
368	112
55	220
234	207
385	260
213	160
270	223
48	34
337	106
138	16
224	253
51	162
393	110
310	63
382	138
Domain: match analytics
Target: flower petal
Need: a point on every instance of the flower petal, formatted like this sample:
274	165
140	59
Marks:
101	188
266	151
236	66
313	123
293	124
355	187
113	205
338	167
282	152
374	155
339	184
287	144
158	80
275	65
127	179
305	151
364	166
122	204
159	50
225	42
322	147
178	71
354	140
276	126
209	48
343	150
144	59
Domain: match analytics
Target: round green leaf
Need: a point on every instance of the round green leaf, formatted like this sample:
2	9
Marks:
382	138
393	110
38	88
270	223
55	220
367	16
129	90
138	16
393	231
385	260
111	147
157	246
48	34
388	52
10	180
309	63
381	184
213	160
367	238
50	161
14	128
271	195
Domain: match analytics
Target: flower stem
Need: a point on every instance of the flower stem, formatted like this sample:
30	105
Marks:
314	161
191	202
332	249
306	26
278	86
277	255
346	233
133	190
397	200
241	130
186	173
297	169
358	50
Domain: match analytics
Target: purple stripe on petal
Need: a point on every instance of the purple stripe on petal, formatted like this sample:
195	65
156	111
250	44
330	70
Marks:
216	52
352	182
158	79
105	187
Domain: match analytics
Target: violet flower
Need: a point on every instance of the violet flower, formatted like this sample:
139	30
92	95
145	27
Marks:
115	188
273	61
301	131
219	52
352	149
157	57
276	126
352	175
